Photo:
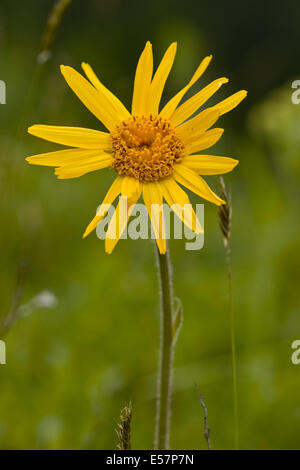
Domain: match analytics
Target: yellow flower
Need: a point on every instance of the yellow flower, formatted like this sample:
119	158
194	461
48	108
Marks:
150	150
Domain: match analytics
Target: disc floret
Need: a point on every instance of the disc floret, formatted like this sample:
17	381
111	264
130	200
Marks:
146	148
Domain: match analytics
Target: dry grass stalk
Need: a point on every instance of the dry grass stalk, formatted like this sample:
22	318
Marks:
13	314
225	217
225	214
124	428
205	419
54	20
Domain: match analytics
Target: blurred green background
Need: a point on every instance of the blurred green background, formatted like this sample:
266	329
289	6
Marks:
88	337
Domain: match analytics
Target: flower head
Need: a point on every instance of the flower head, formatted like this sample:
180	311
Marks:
151	150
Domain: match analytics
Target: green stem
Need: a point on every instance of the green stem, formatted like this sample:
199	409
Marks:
233	351
166	353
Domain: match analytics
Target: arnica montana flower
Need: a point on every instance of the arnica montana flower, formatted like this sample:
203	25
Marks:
151	150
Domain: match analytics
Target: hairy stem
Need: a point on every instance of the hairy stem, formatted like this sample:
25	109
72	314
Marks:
166	352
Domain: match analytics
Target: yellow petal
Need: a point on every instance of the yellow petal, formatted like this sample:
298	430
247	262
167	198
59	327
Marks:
190	106
193	128
80	169
117	104
142	81
119	221
179	201
111	195
209	164
66	157
130	186
231	102
170	107
99	103
204	141
195	183
153	201
160	79
73	136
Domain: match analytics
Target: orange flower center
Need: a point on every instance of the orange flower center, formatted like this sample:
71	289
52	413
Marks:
146	148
